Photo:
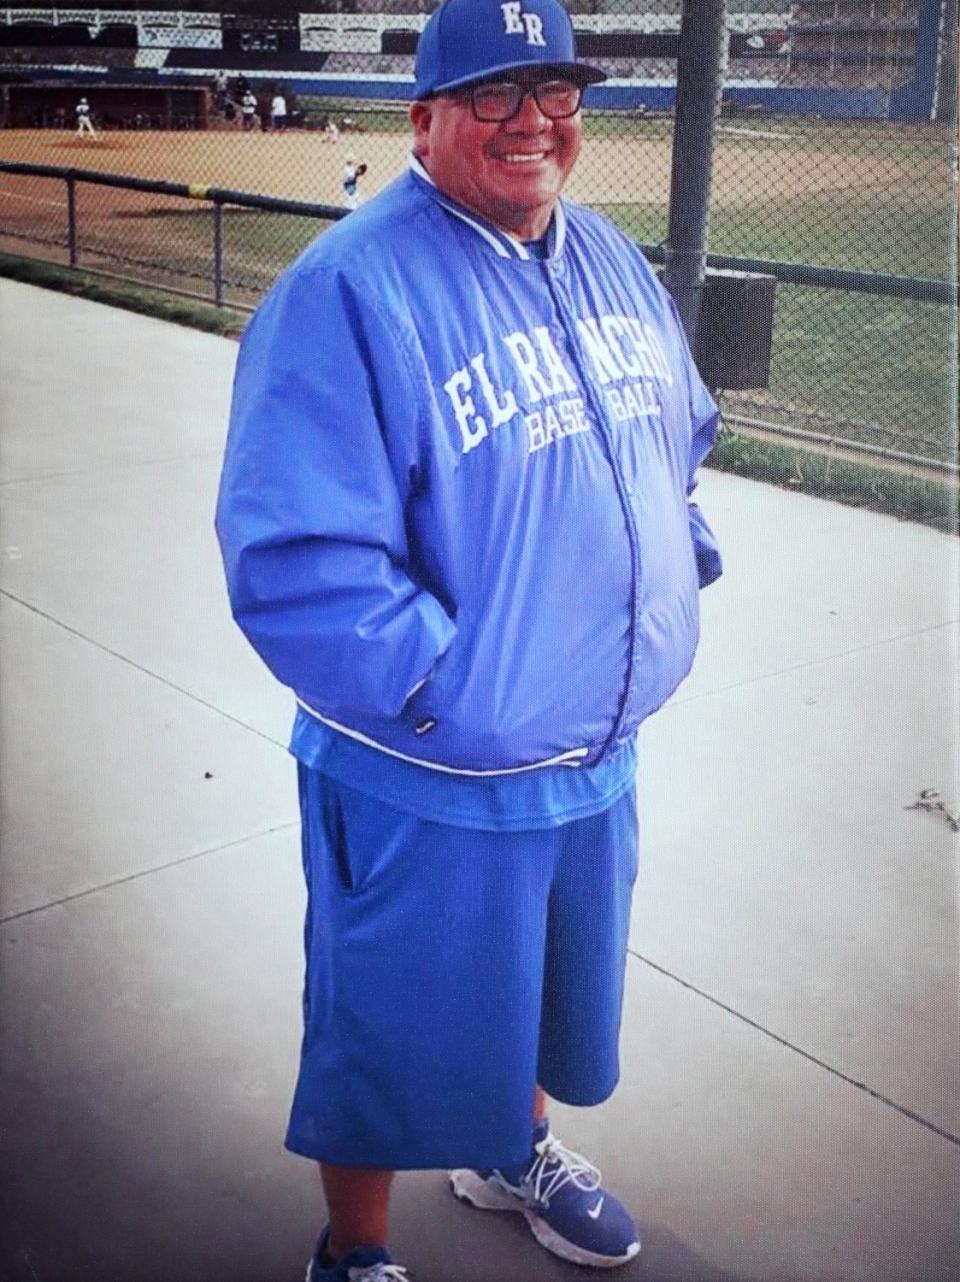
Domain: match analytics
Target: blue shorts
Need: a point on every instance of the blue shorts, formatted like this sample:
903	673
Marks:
450	970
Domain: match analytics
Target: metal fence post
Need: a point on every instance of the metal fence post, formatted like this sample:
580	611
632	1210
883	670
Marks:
701	65
218	252
72	219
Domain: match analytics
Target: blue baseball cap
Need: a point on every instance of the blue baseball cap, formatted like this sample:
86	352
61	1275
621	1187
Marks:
468	40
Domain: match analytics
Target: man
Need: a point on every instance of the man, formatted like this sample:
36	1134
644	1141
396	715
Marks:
248	109
220	90
278	112
84	123
455	520
352	173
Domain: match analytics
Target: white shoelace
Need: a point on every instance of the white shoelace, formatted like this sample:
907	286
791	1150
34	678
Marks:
556	1166
378	1273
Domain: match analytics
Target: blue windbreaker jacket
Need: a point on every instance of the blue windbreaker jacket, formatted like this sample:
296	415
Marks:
454	510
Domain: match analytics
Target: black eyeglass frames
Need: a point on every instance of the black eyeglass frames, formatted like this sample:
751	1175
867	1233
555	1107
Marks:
497	101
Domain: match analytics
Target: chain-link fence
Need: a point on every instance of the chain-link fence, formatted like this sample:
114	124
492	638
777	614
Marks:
835	149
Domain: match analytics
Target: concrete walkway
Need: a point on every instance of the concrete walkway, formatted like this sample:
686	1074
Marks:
789	1104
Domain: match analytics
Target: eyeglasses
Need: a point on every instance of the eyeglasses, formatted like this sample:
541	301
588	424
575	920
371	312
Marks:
495	102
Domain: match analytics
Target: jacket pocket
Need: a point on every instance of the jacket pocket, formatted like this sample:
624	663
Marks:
424	709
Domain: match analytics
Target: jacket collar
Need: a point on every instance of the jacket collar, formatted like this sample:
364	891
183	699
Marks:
500	242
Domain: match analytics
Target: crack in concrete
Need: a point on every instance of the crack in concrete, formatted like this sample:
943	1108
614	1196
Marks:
909	1113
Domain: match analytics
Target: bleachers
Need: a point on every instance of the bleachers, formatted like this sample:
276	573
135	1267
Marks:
655	8
348	37
355	63
67	56
278	61
371	64
767	69
648	69
151	59
395	6
848	77
637	68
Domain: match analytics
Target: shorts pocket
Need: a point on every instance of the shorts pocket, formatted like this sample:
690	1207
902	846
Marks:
363	837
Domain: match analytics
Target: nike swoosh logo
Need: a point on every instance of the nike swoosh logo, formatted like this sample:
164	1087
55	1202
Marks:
594	1211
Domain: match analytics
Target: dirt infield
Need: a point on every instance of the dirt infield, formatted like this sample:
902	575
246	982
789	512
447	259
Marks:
305	166
159	238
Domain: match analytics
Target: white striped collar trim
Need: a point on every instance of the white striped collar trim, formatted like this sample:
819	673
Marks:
502	242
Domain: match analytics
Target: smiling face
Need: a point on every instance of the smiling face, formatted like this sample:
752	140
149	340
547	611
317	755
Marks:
511	171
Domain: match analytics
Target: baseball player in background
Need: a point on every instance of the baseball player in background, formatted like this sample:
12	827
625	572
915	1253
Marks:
456	521
248	110
278	112
84	122
220	83
353	171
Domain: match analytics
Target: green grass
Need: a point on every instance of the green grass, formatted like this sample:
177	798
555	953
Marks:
257	245
608	124
373	119
906	234
872	368
896	493
783	139
133	298
884	363
270	237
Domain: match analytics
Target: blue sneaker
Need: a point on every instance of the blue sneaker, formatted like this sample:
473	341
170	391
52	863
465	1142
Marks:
364	1264
560	1195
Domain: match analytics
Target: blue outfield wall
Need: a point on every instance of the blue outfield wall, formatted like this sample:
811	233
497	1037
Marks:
917	100
830	103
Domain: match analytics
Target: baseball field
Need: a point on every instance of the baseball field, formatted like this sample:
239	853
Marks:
869	197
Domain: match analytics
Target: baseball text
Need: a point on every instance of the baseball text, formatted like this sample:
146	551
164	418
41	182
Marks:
626	361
